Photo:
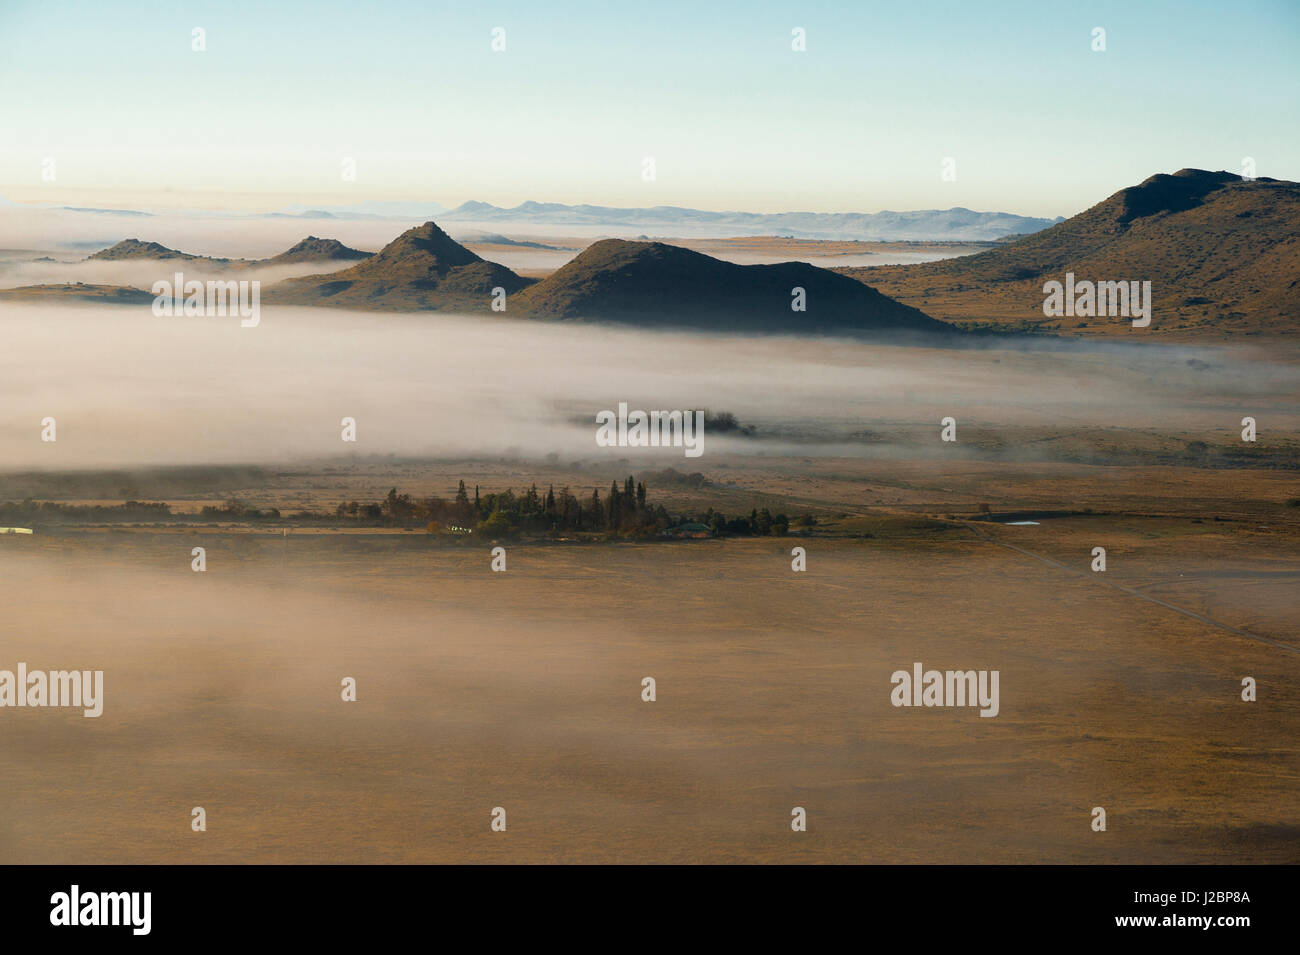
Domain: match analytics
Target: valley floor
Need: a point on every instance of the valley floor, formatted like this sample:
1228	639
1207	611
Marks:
522	689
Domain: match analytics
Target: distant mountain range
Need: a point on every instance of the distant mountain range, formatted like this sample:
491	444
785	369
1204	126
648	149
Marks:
934	224
1222	255
376	209
928	225
107	212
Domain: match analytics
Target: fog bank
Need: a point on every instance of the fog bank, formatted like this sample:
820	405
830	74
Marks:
127	388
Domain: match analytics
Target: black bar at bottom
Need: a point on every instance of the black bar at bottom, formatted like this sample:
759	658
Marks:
978	904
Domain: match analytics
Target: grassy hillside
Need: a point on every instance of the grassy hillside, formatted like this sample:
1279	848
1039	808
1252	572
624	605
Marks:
1222	255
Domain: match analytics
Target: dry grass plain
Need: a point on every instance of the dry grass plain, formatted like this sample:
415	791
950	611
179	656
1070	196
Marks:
522	690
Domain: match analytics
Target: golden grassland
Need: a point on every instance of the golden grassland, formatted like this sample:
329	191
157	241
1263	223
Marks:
522	689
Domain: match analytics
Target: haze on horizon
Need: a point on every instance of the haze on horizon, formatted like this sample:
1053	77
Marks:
733	117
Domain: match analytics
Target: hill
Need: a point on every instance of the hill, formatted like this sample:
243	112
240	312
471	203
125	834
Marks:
422	269
653	284
1222	255
312	249
135	249
97	294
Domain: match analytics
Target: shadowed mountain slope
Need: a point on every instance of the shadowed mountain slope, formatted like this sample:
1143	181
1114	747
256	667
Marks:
653	284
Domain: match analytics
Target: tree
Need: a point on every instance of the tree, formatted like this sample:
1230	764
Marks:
567	509
398	507
498	524
615	505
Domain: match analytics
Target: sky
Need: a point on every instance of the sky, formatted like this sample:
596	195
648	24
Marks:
1035	121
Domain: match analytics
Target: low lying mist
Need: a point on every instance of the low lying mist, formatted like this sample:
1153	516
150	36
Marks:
127	388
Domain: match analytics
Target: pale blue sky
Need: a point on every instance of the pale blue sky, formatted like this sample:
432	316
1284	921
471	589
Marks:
1037	122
